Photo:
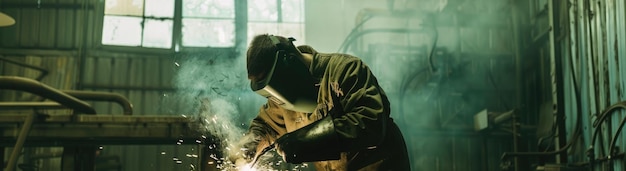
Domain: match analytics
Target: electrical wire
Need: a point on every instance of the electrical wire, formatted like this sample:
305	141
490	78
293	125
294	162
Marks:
345	42
603	116
368	31
614	139
432	50
596	131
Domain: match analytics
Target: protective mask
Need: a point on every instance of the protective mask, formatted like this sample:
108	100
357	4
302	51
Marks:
288	83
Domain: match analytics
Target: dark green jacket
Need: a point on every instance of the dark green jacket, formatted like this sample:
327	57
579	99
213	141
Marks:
360	110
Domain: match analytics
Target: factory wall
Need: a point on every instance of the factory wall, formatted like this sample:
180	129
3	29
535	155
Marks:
483	58
59	36
590	47
476	65
574	57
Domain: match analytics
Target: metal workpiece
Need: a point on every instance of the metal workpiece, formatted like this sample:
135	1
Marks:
103	96
43	90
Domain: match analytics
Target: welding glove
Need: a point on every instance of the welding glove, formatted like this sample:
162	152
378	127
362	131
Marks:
317	141
244	150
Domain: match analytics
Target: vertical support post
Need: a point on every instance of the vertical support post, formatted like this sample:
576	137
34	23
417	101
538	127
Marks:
30	118
514	125
556	72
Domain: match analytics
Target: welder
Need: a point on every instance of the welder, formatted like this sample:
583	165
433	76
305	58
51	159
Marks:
325	108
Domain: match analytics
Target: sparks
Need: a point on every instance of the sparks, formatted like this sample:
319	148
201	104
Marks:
247	167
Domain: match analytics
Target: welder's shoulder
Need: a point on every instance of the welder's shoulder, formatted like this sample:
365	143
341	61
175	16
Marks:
345	60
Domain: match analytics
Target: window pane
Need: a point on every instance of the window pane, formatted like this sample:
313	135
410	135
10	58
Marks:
292	30
121	30
208	32
124	7
293	10
160	8
209	8
157	33
262	10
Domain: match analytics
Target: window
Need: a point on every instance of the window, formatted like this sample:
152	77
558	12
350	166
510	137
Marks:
208	23
203	23
280	17
141	23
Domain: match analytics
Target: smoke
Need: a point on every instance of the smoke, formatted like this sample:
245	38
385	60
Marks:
213	90
467	72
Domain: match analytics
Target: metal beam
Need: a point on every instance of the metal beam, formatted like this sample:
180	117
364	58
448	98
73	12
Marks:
55	130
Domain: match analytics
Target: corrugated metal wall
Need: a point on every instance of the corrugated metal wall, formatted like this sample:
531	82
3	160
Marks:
594	64
50	35
588	45
476	67
57	24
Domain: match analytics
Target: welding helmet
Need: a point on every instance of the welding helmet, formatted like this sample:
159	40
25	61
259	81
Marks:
288	83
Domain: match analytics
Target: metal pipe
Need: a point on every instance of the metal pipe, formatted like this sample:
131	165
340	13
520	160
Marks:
103	96
28	123
30	105
514	124
504	117
38	88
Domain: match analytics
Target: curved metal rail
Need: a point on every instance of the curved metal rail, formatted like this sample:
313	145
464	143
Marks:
38	88
103	96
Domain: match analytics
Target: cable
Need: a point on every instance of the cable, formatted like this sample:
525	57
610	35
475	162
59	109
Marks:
344	44
432	50
614	139
603	115
391	30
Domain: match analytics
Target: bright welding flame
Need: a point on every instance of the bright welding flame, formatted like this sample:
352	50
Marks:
247	167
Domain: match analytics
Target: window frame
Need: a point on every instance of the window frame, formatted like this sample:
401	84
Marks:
176	45
240	23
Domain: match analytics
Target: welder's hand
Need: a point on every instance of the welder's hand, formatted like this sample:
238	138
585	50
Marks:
317	141
244	150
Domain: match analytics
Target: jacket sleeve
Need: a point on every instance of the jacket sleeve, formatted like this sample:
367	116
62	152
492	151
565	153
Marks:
265	127
261	132
361	116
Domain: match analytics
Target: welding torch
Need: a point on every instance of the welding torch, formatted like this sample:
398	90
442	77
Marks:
265	150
